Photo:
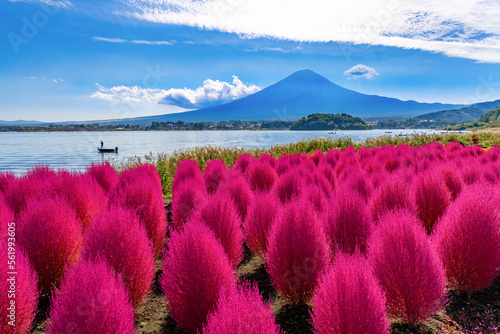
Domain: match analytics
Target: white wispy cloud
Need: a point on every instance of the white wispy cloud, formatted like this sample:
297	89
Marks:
135	41
361	71
55	3
44	78
457	28
211	93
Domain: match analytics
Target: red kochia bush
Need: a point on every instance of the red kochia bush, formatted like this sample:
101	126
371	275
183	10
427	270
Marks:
348	223
391	196
242	312
432	198
241	164
407	266
51	236
25	285
215	174
261	176
468	239
84	194
145	198
6	215
187	197
288	186
196	269
119	238
348	299
297	251
105	175
5	179
221	216
240	192
187	170
260	216
453	182
92	299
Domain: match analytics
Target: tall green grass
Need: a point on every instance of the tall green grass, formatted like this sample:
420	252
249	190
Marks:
166	164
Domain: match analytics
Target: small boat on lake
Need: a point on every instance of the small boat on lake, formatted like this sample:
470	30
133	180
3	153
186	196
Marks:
108	150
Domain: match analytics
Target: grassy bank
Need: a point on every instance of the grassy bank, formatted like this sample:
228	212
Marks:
167	163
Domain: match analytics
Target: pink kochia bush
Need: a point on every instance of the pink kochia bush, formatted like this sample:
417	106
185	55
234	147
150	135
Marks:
105	175
348	299
261	176
297	251
145	197
407	266
119	238
188	196
259	220
241	194
92	299
453	182
25	286
392	195
187	170
432	197
196	270
214	175
348	223
288	186
221	216
5	179
51	236
242	311
468	239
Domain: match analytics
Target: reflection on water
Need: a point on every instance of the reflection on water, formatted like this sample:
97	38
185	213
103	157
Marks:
76	150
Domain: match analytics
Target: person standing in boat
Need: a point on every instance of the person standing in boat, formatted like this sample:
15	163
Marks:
102	144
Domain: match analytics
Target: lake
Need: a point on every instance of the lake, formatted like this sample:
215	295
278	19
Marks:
76	150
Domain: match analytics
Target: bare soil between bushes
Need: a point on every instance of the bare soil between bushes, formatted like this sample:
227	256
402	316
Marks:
465	313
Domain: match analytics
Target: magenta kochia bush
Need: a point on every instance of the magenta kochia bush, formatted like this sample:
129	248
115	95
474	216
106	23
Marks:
407	266
348	299
432	197
6	215
145	198
51	236
221	216
25	286
240	192
215	174
453	182
288	186
297	251
261	176
187	170
468	239
5	179
348	223
241	164
391	196
119	238
187	197
196	269
92	299
260	216
242	311
105	175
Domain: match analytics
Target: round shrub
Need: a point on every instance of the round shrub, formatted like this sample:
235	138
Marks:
51	236
242	311
407	266
432	197
105	175
348	223
288	186
120	239
390	196
215	174
25	286
221	216
261	177
468	239
241	194
187	170
453	182
5	179
187	197
242	162
260	217
297	251
196	269
348	299
145	198
92	299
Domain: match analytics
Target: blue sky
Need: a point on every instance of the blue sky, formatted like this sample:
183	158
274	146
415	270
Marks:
83	60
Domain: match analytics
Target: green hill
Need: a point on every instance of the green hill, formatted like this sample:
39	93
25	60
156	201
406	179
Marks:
492	116
330	122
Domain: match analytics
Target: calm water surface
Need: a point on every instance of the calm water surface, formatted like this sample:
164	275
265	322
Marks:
76	150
